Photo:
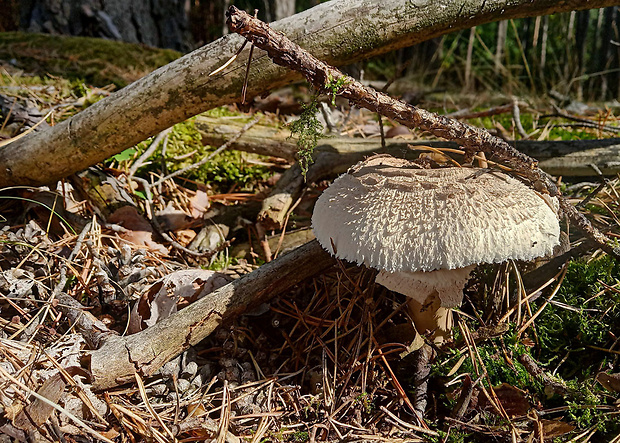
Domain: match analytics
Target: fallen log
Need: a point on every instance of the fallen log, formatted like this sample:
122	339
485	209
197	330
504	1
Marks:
338	32
335	154
570	158
119	358
278	243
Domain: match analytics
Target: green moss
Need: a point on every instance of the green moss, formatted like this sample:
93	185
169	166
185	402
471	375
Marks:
185	148
527	121
365	402
333	87
363	38
453	437
566	335
222	261
593	318
308	129
586	318
222	111
495	362
299	437
97	61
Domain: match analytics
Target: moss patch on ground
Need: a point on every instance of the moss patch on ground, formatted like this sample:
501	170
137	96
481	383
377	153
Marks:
224	171
573	340
99	62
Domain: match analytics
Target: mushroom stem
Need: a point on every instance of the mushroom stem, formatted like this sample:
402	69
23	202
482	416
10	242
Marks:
431	295
433	317
422	370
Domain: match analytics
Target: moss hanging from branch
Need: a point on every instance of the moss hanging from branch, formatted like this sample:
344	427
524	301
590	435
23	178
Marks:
308	129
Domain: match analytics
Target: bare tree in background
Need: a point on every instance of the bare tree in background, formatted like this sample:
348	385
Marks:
502	32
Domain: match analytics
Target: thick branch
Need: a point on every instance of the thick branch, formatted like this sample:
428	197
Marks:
120	358
556	157
328	79
339	32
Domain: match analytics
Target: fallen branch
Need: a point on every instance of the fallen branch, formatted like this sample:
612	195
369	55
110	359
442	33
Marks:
341	32
276	205
119	358
552	384
466	114
584	122
329	80
335	154
277	243
516	117
161	137
556	157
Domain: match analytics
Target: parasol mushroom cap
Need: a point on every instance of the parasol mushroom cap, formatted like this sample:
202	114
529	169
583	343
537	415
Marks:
389	214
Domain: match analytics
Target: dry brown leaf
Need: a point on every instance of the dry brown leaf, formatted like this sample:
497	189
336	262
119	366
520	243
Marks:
172	219
111	433
513	400
37	412
397	131
611	382
139	230
185	236
160	301
555	428
199	204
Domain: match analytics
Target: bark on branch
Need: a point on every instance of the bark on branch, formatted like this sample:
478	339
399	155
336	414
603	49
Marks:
329	80
338	32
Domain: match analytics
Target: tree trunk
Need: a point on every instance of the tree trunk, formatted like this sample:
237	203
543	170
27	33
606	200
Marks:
570	43
284	8
208	20
610	54
543	47
9	19
162	24
338	32
596	52
468	58
581	32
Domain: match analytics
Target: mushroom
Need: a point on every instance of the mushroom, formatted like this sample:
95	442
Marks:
425	230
